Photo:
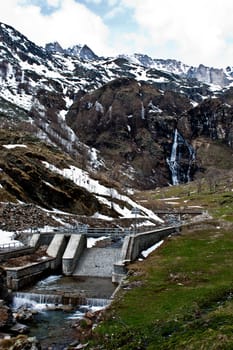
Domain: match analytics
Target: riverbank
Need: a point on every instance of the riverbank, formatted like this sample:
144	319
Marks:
180	297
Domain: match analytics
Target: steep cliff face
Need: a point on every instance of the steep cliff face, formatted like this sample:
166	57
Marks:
131	123
213	118
209	75
149	131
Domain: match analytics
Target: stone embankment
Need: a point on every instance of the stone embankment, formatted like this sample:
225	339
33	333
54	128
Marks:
18	217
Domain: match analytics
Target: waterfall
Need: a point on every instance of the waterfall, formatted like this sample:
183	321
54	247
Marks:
33	300
92	304
95	302
142	111
191	160
48	280
110	112
172	162
38	300
181	150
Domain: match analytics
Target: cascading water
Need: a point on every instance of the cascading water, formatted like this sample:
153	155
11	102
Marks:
191	160
32	300
49	313
172	162
97	302
142	111
48	302
35	300
92	304
181	152
45	298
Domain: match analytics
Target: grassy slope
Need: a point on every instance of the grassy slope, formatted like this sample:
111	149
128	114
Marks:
180	297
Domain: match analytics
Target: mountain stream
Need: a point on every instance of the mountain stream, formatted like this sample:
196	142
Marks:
51	326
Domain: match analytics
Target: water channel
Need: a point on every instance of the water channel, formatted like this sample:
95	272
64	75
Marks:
53	328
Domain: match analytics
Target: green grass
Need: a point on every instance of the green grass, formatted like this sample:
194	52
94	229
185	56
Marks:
178	298
218	201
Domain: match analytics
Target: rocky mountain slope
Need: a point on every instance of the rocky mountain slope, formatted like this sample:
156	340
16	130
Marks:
61	193
134	121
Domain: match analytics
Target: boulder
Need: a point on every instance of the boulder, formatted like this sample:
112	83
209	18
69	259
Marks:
6	318
20	342
19	328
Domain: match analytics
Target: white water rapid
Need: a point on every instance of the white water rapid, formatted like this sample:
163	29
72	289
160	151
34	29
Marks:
35	300
40	301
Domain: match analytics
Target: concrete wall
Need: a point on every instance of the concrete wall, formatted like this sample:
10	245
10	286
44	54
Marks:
145	240
4	255
74	250
56	250
38	239
34	241
134	244
20	277
119	272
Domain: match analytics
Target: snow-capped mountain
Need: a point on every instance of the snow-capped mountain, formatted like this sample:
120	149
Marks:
209	75
81	51
127	107
25	68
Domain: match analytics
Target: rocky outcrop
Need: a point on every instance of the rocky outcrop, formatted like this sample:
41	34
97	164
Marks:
208	75
131	123
82	51
213	118
134	124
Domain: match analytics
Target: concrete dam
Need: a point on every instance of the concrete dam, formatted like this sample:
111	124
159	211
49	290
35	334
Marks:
70	254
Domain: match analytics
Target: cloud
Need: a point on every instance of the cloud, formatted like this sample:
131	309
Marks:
96	2
193	32
71	23
115	11
198	30
54	3
112	2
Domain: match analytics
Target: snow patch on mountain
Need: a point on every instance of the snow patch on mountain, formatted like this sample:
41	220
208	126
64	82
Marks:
25	68
105	194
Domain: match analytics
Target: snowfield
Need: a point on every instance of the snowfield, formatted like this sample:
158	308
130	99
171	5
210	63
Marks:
7	237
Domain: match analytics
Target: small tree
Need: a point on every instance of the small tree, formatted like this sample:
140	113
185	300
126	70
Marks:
213	178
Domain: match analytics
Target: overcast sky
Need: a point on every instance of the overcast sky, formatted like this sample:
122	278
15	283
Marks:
193	32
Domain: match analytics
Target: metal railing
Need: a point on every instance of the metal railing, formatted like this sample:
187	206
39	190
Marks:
101	231
11	245
94	231
107	231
